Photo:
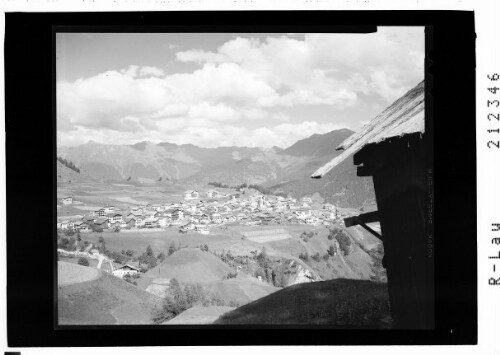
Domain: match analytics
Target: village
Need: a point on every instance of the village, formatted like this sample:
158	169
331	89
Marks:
199	212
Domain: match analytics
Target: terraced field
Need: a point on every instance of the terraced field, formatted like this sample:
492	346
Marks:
266	235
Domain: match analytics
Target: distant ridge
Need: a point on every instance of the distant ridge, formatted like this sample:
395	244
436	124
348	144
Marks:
282	169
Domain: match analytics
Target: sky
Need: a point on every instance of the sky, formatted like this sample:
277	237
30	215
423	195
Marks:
225	89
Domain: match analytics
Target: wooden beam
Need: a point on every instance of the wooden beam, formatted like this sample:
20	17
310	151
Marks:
362	219
365	218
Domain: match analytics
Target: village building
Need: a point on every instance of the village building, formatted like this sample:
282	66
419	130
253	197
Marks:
151	222
89	218
67	200
158	208
114	217
303	212
126	270
191	195
139	221
163	221
328	207
212	194
204	219
216	218
203	229
102	223
177	215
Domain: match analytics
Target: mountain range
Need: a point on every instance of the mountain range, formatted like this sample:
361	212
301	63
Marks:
280	170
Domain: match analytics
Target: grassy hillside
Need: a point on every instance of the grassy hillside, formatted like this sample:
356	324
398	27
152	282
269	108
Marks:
319	144
199	315
340	303
341	186
106	300
66	175
190	265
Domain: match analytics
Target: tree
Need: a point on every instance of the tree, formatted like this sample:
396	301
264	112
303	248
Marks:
171	248
83	261
344	242
304	256
69	232
262	258
331	250
149	251
316	257
102	245
148	258
95	228
161	257
129	252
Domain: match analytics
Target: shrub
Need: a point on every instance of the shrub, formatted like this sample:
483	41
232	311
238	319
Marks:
262	259
69	232
260	272
83	261
95	228
231	275
68	164
161	257
67	244
63	243
344	242
130	279
129	252
117	257
204	247
181	297
304	256
331	250
172	249
148	258
102	245
316	257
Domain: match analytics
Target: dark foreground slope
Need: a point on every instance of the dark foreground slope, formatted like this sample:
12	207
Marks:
341	302
105	300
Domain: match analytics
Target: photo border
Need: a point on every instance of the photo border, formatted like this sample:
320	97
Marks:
30	71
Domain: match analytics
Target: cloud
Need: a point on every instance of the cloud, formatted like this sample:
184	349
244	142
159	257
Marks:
151	71
327	68
245	92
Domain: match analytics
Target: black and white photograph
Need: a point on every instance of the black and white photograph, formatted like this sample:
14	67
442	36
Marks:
243	179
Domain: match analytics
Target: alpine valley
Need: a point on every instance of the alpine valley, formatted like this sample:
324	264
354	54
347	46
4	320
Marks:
279	170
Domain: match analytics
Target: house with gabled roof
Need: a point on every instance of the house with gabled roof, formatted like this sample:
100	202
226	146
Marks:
102	223
126	270
191	195
212	194
67	200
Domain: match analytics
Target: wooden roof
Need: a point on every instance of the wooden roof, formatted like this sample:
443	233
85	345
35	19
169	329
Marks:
404	116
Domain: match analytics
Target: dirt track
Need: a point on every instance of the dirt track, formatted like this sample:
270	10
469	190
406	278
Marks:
68	273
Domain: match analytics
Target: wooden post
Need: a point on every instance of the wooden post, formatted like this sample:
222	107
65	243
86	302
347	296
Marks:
399	176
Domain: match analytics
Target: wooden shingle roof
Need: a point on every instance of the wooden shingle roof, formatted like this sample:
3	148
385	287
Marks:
404	116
